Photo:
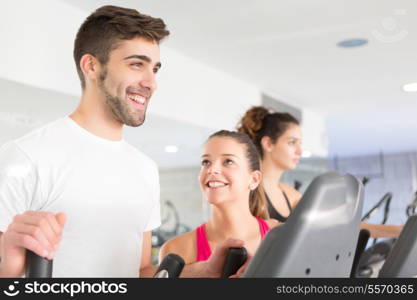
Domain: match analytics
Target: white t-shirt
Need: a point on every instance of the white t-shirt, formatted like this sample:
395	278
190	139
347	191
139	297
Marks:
109	191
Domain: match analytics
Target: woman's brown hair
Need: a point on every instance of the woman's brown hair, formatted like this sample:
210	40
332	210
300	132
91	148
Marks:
258	122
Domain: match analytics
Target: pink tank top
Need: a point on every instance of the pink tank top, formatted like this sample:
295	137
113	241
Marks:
203	247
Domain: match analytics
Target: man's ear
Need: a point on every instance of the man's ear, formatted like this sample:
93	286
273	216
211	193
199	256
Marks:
90	67
256	178
266	144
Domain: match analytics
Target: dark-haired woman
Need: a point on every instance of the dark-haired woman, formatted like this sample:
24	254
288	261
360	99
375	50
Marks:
277	137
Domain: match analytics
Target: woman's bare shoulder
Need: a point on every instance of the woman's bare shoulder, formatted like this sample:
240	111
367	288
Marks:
183	245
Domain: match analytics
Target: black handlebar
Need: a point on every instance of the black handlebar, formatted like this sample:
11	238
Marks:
38	267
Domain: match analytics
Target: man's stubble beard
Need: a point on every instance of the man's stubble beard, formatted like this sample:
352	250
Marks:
118	108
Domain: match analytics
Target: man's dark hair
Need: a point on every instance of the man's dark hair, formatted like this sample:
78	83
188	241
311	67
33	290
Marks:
102	31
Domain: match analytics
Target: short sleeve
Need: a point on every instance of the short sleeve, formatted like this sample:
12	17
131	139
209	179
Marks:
154	220
19	184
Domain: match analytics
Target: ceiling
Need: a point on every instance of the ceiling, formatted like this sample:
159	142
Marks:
288	49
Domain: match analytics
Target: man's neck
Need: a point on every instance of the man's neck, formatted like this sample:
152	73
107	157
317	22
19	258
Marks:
93	117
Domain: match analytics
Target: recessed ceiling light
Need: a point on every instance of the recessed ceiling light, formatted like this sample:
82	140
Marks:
306	154
410	87
171	149
351	43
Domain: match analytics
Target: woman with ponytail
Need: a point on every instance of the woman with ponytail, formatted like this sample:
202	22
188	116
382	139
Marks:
230	180
277	136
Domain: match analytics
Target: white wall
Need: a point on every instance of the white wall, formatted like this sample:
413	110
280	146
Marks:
315	137
37	43
189	90
180	186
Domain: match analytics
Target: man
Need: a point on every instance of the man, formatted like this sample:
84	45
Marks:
74	190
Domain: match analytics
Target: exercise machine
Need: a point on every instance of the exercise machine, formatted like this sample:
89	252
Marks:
320	236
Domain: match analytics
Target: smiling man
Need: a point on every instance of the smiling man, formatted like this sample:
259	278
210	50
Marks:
74	190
